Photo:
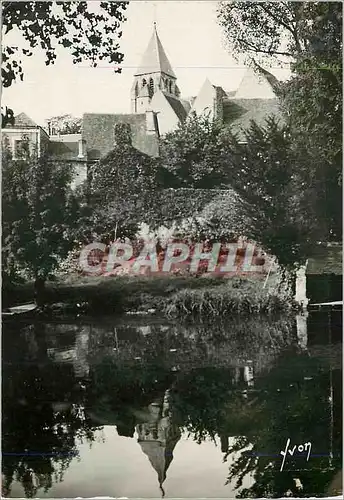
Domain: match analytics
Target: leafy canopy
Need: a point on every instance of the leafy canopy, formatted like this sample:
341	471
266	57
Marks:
39	215
262	171
309	35
65	124
267	31
122	188
312	104
192	155
89	30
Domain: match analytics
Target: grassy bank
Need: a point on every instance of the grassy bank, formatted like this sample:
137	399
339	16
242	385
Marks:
172	296
232	298
109	295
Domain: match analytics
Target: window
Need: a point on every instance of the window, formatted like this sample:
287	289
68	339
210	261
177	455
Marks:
170	87
144	82
21	149
151	87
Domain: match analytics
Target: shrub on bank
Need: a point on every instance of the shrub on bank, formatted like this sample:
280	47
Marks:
234	297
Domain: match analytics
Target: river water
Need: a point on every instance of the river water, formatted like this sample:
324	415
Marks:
138	408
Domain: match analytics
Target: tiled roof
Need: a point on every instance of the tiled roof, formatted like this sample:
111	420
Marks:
326	260
269	77
99	134
154	59
23	121
238	113
186	105
177	107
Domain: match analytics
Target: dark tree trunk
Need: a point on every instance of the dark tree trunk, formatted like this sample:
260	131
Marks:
39	291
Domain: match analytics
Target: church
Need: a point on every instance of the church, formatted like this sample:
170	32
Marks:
157	105
157	108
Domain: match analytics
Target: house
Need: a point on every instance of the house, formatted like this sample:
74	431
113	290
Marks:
24	137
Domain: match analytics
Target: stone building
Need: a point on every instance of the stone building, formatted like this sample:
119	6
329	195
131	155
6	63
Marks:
24	137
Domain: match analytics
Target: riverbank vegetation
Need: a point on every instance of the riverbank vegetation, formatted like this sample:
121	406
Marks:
234	297
169	296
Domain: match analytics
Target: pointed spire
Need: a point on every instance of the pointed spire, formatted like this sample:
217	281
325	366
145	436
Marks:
158	439
154	59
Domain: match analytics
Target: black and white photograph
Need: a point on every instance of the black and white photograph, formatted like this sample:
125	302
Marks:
171	249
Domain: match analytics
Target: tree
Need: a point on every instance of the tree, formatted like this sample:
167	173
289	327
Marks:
262	169
65	124
310	35
40	214
91	34
192	155
312	102
267	31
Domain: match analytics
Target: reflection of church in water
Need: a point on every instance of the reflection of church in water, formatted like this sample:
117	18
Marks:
158	437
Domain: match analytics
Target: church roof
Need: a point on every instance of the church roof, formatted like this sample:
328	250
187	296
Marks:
160	450
238	113
154	59
186	104
177	107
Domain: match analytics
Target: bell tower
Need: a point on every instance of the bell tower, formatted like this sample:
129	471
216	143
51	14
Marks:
155	72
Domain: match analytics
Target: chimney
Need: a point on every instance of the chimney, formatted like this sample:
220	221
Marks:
152	123
122	134
82	148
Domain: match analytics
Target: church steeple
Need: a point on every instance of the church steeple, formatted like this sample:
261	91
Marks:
154	73
154	59
158	438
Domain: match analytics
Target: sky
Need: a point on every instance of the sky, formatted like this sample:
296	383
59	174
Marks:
192	40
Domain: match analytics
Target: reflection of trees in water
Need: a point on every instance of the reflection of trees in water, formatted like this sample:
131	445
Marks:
120	390
289	401
192	346
127	375
41	413
293	403
131	368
